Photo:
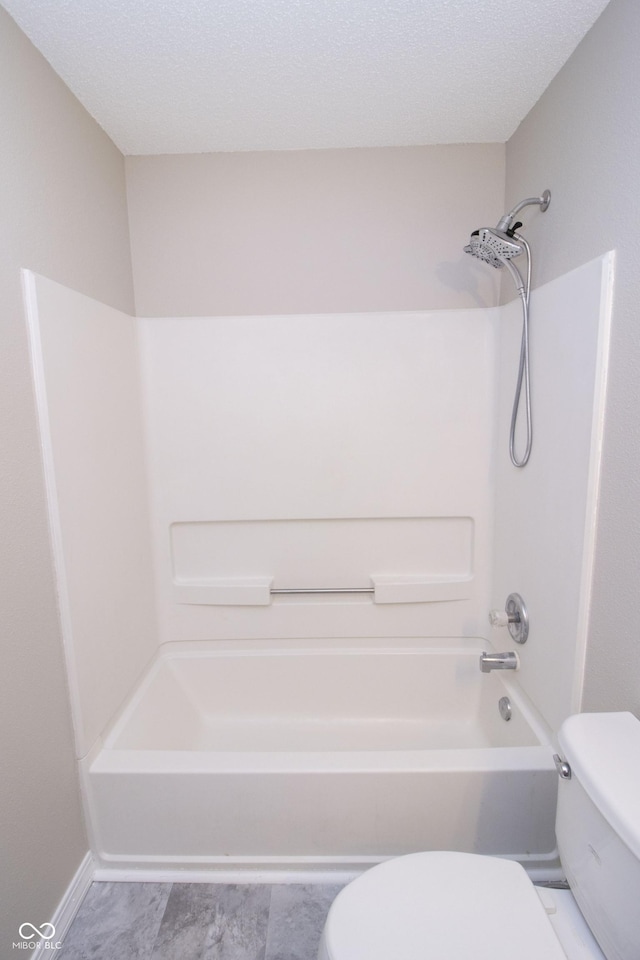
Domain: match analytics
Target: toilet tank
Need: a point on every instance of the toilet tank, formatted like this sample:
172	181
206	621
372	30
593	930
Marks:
598	826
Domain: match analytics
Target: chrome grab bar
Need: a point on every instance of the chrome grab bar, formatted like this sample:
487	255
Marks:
294	590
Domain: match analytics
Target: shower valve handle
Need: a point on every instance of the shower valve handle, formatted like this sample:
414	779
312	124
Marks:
498	618
514	616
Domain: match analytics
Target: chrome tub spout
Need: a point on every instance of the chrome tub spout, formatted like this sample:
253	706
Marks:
498	661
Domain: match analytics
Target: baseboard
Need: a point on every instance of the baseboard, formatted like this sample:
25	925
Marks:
73	897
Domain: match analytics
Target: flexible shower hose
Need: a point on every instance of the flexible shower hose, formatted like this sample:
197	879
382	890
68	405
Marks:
523	370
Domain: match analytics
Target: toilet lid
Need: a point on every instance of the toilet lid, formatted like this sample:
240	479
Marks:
441	906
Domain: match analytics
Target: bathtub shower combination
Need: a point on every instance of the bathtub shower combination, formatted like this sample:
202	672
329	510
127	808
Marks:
277	540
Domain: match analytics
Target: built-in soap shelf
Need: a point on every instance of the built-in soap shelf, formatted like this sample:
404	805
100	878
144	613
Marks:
417	589
260	591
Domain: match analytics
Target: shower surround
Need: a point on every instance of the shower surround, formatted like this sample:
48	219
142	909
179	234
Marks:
195	465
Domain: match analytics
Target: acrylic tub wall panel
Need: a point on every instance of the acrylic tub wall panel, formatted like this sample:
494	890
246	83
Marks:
545	514
87	381
304	436
325	755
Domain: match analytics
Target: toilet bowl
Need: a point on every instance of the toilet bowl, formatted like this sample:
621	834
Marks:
457	906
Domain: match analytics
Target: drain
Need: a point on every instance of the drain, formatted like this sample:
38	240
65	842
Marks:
504	706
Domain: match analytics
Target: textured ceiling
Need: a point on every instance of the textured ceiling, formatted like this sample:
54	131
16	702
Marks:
191	76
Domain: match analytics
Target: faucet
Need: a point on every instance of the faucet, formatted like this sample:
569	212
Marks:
498	661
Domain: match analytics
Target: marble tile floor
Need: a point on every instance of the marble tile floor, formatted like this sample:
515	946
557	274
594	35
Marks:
199	921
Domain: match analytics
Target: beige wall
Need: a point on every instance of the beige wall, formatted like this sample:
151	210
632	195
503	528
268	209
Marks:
317	231
64	215
582	140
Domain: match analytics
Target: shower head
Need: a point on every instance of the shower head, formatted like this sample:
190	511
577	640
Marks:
497	245
493	246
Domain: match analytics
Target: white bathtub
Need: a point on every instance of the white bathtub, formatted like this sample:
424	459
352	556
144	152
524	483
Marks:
320	754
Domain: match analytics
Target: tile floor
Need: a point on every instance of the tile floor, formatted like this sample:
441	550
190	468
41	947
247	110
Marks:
198	921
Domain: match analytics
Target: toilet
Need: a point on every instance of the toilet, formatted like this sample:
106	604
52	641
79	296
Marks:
444	905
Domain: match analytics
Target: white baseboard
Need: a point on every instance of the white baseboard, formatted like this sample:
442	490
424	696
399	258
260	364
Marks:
74	895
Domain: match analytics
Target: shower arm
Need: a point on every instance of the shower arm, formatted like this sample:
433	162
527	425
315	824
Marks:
543	202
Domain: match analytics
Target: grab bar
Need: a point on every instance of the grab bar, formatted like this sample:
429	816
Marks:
287	590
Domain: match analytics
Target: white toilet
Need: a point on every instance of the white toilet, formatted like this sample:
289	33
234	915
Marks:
461	906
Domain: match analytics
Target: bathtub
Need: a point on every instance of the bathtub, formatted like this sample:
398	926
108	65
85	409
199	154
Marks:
318	755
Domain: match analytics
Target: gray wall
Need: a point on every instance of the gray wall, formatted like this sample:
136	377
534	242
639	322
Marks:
62	196
582	140
312	231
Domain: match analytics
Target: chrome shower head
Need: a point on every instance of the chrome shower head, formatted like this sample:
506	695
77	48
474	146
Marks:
497	245
493	246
